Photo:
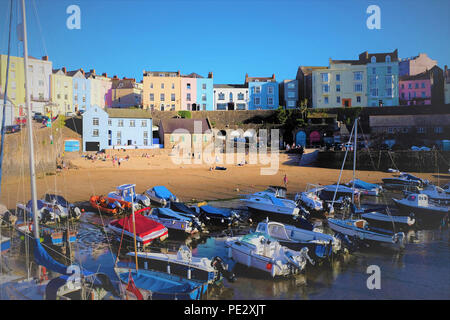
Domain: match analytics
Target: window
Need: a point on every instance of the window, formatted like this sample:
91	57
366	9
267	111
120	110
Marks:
145	142
338	77
204	86
403	95
120	123
421	130
84	98
188	97
326	100
338	88
358	99
240	96
151	85
423	84
162	85
325	88
257	89
188	86
66	97
438	130
95	133
358	87
203	97
324	77
173	85
389	92
161	98
257	100
409	85
132	123
270	100
291	85
152	97
231	96
388	58
240	106
388	81
12	74
374	70
417	86
373	59
119	134
291	94
358	75
221	96
95	121
389	70
172	107
373	81
338	99
119	142
143	123
109	122
291	103
221	106
270	90
172	96
403	86
423	94
145	134
374	92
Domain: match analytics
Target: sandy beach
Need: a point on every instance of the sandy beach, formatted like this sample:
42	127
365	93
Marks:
189	182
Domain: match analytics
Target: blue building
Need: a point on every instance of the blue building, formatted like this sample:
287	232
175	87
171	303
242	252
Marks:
205	98
117	129
289	94
81	90
263	93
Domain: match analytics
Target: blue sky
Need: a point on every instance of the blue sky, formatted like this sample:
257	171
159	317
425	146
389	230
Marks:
230	38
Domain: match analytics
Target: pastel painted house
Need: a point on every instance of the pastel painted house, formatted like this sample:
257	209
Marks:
117	129
81	90
101	89
415	90
289	94
231	97
62	91
263	92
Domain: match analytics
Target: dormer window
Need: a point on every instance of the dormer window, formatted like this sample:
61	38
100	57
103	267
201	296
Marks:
373	59
388	58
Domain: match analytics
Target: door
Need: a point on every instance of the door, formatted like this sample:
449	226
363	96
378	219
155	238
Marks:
347	103
300	138
92	146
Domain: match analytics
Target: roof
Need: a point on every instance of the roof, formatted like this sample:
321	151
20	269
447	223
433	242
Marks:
192	75
420	76
380	57
128	113
170	125
230	86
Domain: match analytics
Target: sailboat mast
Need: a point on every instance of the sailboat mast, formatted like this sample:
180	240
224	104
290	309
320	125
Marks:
134	230
354	159
29	125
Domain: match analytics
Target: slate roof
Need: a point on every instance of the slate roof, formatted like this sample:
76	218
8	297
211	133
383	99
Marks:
170	125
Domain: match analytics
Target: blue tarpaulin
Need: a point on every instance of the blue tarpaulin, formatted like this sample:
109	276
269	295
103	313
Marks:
218	211
163	192
364	185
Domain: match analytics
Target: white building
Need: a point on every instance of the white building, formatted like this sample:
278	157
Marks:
39	73
343	84
231	97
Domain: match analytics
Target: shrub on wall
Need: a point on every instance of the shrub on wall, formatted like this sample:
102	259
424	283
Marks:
185	114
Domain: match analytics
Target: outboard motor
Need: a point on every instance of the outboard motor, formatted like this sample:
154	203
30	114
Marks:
218	264
303	223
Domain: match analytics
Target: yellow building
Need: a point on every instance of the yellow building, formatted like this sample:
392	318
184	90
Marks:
161	90
16	86
61	92
126	93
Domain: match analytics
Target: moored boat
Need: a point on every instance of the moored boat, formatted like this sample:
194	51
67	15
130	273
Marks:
423	210
161	195
173	220
109	205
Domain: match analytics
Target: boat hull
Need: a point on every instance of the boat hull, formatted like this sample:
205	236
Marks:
421	213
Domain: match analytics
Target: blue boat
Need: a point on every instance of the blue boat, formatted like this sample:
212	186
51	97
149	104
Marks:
5	244
161	195
155	285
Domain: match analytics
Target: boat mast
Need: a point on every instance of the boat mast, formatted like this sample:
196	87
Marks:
134	229
354	159
29	126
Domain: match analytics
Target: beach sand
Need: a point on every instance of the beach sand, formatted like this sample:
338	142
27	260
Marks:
188	182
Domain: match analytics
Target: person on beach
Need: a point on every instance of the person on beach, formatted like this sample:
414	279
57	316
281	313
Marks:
285	181
119	161
114	162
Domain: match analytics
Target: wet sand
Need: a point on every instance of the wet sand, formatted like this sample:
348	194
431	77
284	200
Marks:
188	182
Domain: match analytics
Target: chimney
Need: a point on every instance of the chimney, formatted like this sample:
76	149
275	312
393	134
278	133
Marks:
45	58
92	71
445	68
273	76
115	77
104	74
64	69
82	71
210	75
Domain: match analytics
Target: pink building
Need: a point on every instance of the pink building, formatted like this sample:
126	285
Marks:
415	90
188	92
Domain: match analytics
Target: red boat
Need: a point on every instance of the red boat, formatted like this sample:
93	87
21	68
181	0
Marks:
109	205
147	230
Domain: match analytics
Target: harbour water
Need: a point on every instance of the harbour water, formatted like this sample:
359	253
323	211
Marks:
420	271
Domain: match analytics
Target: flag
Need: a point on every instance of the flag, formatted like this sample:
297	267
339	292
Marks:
132	288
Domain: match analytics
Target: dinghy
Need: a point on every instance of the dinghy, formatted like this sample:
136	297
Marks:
184	265
320	245
421	207
259	251
109	205
161	195
173	220
147	230
127	194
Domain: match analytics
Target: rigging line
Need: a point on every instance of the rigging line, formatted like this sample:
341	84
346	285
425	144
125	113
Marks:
39	26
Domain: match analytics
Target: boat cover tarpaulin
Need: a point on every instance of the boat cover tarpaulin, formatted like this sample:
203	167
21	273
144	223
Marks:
163	192
144	226
276	201
181	207
364	185
216	211
40	204
171	213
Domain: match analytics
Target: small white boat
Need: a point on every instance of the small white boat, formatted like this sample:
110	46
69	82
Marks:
257	250
436	194
183	264
268	204
321	245
359	229
161	195
421	207
276	191
387	221
310	198
172	220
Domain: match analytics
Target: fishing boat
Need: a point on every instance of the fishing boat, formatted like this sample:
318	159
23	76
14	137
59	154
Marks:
269	204
161	195
404	180
109	205
184	265
320	245
359	230
365	188
172	220
125	193
435	194
261	252
423	210
147	230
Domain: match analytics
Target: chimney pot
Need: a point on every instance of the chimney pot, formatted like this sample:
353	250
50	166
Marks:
45	58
